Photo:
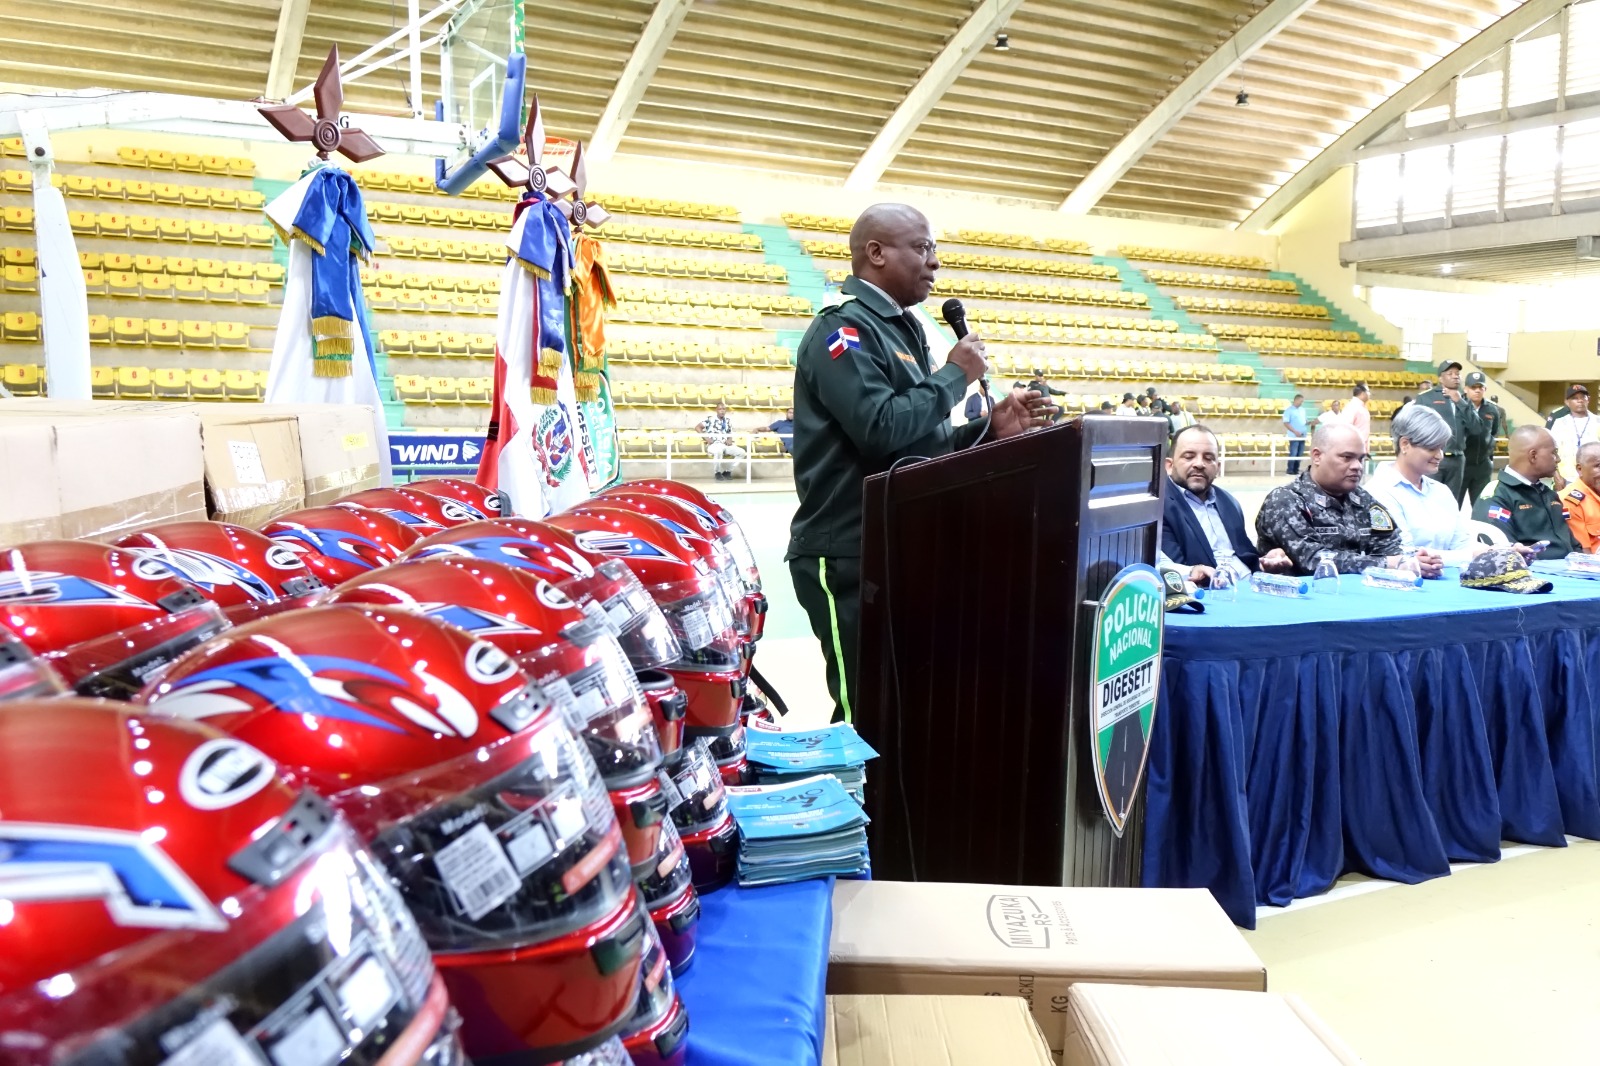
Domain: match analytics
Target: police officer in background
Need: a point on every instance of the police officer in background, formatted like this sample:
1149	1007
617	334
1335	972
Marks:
1326	509
1479	458
1463	419
864	396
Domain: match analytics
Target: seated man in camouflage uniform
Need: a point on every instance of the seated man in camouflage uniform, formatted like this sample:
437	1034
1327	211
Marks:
1326	509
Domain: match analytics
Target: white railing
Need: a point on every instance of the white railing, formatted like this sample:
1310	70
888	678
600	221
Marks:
742	440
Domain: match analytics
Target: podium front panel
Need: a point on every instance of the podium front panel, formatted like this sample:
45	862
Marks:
976	569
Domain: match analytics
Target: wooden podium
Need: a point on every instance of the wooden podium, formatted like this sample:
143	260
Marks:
979	565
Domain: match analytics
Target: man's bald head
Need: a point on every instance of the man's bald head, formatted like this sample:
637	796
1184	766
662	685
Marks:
1337	458
1532	452
892	246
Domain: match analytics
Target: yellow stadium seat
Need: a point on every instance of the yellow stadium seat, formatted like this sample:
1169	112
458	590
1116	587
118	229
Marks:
170	384
156	286
23	379
174	229
254	292
20	279
102	383
132	157
240	167
191	288
411	388
134	383
195	195
168	193
206	384
271	273
138	189
163	332
221	290
198	334
18	218
474	390
231	233
232	334
480	345
240	385
395	341
453	343
20	326
202	232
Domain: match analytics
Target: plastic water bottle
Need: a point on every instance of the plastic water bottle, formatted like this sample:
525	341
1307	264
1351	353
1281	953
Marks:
1280	585
1584	562
1326	577
1382	577
1409	563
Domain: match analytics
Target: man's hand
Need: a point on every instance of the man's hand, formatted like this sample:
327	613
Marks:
1453	394
1529	552
1201	574
1432	562
1560	482
1277	561
968	355
1019	412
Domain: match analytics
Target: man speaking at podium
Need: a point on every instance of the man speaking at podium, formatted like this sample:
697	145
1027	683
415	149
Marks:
865	395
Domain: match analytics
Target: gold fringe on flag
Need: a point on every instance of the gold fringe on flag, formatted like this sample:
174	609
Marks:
586	386
549	362
533	268
542	395
332	347
332	326
316	245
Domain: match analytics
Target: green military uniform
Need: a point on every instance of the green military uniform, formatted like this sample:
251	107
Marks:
1464	421
1528	511
1478	470
864	396
1306	521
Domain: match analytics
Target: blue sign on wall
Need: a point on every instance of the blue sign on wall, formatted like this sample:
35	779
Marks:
428	451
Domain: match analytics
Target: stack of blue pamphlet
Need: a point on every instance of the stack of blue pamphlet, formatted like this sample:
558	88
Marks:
778	757
798	830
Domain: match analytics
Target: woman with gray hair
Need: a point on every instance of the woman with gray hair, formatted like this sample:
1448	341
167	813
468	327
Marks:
1430	517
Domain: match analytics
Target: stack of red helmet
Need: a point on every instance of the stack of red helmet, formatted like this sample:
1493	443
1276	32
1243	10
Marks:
485	808
171	898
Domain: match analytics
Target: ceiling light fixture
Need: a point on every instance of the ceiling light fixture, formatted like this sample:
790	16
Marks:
1002	42
1242	99
1445	269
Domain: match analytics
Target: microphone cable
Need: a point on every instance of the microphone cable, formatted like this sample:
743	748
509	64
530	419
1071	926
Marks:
894	666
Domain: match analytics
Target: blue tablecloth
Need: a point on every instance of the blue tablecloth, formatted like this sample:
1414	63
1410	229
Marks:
755	991
1377	731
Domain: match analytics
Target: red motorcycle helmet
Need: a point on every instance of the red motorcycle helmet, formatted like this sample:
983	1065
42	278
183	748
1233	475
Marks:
668	891
575	660
656	1034
486	810
23	675
338	542
604	587
722	523
710	669
246	573
425	513
682	520
485	503
698	807
172	871
106	619
668	705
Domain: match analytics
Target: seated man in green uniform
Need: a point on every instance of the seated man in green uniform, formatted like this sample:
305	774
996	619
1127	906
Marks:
865	395
1521	504
1326	509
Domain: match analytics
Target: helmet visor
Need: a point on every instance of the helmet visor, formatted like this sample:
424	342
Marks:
733	539
511	845
24	675
343	970
614	594
119	664
696	800
703	621
601	701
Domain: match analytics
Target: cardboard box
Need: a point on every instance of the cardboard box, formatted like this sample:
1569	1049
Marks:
252	462
899	938
338	449
30	503
116	468
1125	1025
931	1031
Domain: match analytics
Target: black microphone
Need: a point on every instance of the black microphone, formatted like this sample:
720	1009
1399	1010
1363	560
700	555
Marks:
955	316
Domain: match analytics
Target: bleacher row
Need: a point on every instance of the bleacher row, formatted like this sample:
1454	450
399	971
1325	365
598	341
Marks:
699	269
1058	294
150	192
1211	305
148	383
1236	282
24	326
1170	340
152	286
701	396
1373	379
1021	367
1145	254
1060	268
148	228
657	444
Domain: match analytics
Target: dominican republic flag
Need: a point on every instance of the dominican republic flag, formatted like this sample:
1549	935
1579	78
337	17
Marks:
843	340
1498	514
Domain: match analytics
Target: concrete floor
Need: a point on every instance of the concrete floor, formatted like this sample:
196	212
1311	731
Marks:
1495	964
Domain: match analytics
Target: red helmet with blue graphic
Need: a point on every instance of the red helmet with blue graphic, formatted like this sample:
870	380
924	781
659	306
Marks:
246	573
724	527
338	543
487	811
23	675
154	869
710	670
657	1034
695	531
422	511
574	659
483	502
106	619
590	578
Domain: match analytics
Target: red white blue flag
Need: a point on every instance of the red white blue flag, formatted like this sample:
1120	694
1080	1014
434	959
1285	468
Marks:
843	340
1498	514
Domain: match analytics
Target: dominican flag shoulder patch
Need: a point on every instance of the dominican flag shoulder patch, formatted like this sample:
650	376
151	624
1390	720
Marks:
843	340
1498	514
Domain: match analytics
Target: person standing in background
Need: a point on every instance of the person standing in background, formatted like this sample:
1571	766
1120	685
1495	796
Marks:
980	404
1447	402
1294	425
1573	432
1358	415
1479	469
1178	419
